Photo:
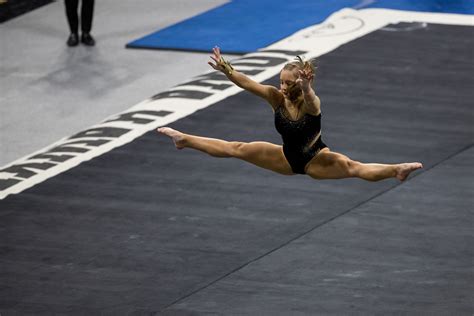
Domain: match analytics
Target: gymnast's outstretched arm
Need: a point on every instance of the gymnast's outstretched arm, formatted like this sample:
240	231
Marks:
270	93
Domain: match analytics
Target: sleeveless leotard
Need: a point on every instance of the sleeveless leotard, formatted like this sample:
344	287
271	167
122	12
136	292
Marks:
297	138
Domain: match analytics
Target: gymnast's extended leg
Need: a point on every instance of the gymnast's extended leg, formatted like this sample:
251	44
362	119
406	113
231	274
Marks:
262	154
332	165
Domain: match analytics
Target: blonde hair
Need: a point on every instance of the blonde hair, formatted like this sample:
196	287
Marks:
301	64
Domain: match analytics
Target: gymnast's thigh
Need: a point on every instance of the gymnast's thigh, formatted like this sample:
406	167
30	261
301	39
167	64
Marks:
329	165
265	155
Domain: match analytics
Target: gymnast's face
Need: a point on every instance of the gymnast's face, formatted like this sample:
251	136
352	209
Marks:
287	79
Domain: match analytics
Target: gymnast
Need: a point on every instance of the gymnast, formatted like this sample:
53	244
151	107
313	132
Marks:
297	112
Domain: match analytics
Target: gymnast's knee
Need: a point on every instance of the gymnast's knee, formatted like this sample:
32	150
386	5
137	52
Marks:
352	167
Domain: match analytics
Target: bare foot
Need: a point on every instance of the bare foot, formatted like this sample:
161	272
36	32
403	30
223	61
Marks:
177	137
404	169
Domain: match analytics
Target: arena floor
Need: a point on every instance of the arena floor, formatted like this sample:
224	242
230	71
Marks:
145	229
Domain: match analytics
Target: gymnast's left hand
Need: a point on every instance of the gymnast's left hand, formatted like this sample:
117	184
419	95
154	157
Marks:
305	79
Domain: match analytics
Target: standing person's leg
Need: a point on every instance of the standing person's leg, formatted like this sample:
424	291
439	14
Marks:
265	155
73	21
331	165
72	17
87	14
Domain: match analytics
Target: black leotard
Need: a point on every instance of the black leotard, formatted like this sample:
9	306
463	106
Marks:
297	137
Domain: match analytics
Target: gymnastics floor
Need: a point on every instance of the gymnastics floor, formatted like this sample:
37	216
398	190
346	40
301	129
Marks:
145	229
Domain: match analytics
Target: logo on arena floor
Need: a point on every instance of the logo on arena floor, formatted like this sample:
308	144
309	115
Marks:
345	25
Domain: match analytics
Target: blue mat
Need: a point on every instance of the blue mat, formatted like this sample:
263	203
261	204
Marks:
243	26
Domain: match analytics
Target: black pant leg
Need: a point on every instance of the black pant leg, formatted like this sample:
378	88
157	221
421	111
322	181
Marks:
87	13
71	13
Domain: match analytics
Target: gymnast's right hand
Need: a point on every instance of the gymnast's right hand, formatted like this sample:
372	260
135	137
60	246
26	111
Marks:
220	64
216	57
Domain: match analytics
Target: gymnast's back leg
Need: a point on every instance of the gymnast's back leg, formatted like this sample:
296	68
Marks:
331	165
